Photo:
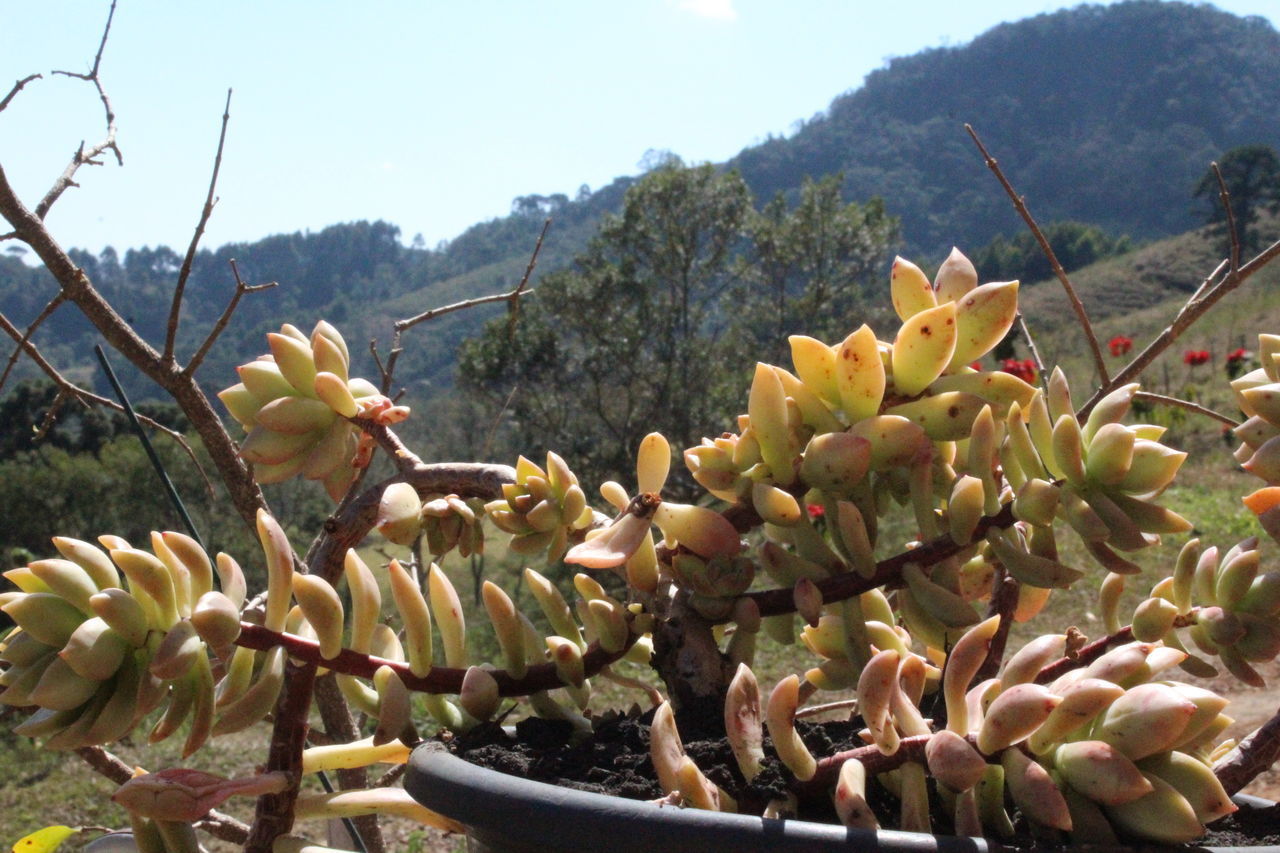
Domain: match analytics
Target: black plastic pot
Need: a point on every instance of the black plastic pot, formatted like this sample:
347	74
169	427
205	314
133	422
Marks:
510	814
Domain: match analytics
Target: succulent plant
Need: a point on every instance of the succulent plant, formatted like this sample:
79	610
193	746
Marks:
1091	740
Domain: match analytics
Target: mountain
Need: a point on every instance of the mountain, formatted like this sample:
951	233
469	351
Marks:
1103	114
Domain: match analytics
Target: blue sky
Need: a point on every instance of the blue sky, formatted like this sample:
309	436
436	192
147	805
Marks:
431	115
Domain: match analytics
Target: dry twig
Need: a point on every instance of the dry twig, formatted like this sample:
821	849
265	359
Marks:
83	156
87	398
18	87
1205	297
1076	305
171	332
1186	404
1232	235
26	336
512	298
241	289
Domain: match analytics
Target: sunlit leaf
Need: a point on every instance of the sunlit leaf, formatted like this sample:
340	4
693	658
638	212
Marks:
44	840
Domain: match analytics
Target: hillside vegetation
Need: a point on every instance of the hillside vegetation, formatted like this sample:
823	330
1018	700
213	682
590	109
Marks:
1117	141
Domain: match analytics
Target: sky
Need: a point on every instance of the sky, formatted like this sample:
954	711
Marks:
431	115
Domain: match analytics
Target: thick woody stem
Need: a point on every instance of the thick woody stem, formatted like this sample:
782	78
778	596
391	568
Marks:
1256	753
274	814
889	571
688	659
441	679
1091	652
350	525
338	724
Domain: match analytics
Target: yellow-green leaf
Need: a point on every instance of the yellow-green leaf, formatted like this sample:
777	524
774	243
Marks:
44	840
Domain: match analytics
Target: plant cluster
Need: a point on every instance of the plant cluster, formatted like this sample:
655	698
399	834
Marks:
788	535
1094	740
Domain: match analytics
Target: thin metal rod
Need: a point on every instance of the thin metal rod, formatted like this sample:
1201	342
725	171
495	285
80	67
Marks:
347	823
146	445
191	527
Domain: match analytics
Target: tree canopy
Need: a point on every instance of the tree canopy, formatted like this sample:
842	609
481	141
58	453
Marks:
650	327
1251	175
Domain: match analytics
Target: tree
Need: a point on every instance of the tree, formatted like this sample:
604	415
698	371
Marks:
806	266
688	280
27	422
1251	174
630	338
1075	244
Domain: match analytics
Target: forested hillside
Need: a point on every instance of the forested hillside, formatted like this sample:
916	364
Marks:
1101	115
1107	115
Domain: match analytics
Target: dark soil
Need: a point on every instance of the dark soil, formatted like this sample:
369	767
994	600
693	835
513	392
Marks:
615	761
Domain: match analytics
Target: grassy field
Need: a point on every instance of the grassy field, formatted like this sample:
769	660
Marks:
1135	296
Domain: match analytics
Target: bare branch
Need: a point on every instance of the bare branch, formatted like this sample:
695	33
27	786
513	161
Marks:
513	312
1089	653
224	826
175	308
441	679
888	571
86	398
244	492
83	156
17	87
1076	305
218	327
497	421
52	415
347	527
1188	405
1256	753
391	776
26	336
1031	345
384	370
1206	296
402	457
511	297
1232	235
1004	601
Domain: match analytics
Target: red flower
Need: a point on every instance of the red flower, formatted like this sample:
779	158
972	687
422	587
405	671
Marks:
1237	355
1194	357
1120	345
1024	370
816	510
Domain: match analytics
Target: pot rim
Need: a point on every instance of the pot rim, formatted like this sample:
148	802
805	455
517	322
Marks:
501	810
